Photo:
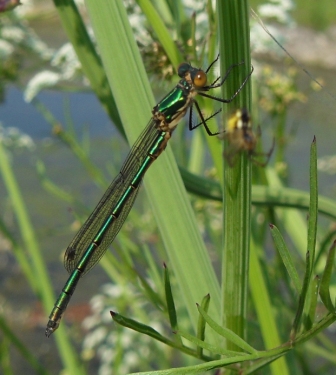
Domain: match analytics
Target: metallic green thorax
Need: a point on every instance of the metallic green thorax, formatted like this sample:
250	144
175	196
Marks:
175	102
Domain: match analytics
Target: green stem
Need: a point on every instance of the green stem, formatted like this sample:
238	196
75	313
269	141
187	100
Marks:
234	48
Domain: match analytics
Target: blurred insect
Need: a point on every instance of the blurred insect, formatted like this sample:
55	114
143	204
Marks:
240	136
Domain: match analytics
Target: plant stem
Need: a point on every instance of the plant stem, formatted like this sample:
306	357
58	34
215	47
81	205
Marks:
234	48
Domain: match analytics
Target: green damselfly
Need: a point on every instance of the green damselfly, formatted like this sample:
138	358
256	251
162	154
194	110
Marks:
100	229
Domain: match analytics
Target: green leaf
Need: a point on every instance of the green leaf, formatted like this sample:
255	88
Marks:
311	308
151	294
262	298
234	47
188	256
136	326
204	345
202	323
202	368
302	299
226	333
170	300
149	331
265	196
313	206
326	278
311	240
286	257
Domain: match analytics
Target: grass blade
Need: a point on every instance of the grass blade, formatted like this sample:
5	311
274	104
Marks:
313	206
326	279
184	245
202	323
286	257
170	301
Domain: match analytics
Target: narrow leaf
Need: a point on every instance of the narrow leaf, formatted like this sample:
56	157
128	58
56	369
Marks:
326	278
170	300
204	345
313	205
302	298
202	368
314	292
226	333
186	250
201	323
285	256
262	300
136	326
151	294
149	331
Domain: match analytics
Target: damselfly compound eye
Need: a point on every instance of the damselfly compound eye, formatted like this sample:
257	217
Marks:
200	79
182	69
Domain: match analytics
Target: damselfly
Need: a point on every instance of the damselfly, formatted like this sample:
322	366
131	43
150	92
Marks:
241	138
100	229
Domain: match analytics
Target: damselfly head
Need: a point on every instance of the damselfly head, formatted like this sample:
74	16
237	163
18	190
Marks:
197	76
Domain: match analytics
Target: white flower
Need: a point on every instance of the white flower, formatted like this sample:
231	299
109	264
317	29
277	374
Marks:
97	303
90	322
261	41
6	49
113	291
13	34
12	137
277	9
28	8
95	337
40	81
66	59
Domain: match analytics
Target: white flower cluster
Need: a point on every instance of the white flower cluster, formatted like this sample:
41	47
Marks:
104	339
278	10
275	10
17	33
12	137
327	164
40	81
65	61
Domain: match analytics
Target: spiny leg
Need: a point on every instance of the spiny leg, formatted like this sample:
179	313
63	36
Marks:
220	84
266	154
203	120
210	66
